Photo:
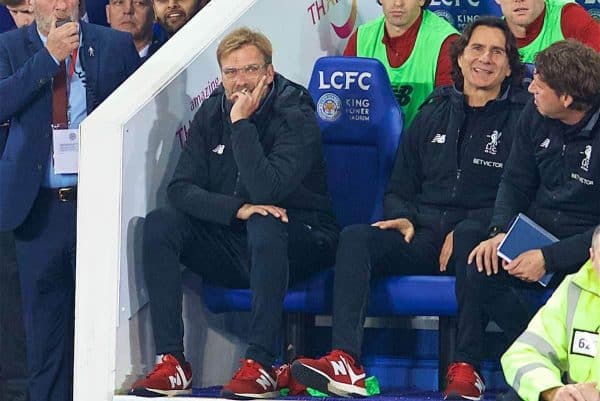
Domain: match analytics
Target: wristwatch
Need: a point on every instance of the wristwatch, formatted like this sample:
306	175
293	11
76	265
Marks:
495	230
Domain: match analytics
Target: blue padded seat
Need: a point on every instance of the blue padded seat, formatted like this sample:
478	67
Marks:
400	295
361	125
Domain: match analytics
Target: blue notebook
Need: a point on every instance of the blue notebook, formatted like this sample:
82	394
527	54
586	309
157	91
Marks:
523	235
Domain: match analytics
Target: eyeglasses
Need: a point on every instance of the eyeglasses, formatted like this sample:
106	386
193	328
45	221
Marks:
251	70
478	51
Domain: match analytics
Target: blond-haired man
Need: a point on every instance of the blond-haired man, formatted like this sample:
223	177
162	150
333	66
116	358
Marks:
248	208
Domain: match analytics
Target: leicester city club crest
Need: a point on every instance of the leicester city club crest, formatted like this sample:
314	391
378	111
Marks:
329	107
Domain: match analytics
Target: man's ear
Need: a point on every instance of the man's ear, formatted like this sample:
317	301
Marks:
566	100
270	74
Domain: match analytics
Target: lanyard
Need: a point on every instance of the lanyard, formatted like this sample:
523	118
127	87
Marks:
72	64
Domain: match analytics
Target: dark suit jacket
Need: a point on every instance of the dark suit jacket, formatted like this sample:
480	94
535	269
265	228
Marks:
107	56
157	42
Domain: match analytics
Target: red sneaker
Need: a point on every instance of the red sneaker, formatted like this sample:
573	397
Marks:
167	378
463	383
334	374
286	380
251	381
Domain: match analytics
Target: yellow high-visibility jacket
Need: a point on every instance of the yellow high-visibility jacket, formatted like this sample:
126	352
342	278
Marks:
561	339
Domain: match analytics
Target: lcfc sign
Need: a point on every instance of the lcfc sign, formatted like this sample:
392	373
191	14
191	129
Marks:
345	80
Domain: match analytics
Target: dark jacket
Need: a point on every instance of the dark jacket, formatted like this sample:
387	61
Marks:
444	174
107	56
155	44
553	175
275	158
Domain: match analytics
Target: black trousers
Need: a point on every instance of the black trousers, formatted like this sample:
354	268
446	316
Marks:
13	365
263	254
366	252
499	297
45	249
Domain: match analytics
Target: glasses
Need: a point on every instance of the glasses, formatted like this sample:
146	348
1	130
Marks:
251	71
478	51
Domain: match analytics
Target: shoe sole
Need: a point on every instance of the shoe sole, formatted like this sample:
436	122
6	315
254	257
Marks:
248	396
456	396
152	392
318	380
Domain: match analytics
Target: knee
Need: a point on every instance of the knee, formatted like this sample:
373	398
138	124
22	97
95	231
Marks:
266	232
356	234
467	235
353	246
470	230
158	223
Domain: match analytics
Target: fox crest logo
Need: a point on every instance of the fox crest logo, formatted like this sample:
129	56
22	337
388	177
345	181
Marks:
587	152
492	146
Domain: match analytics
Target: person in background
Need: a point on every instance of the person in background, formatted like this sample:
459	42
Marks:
21	11
53	73
172	15
413	44
552	176
137	18
447	169
538	23
561	341
12	340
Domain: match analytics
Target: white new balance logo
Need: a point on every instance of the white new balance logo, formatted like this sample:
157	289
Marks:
178	380
265	380
343	368
439	138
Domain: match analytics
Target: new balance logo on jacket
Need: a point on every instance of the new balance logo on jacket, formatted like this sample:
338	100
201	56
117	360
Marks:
439	138
335	374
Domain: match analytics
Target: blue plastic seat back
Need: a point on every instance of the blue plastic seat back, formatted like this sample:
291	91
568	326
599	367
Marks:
459	13
361	124
527	75
592	7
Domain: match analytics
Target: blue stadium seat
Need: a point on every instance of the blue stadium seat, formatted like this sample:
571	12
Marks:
592	7
459	13
361	125
528	75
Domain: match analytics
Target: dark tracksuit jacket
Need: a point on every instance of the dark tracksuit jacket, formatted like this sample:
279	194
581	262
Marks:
275	158
553	175
451	160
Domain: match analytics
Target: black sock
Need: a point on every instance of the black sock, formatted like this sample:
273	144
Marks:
178	355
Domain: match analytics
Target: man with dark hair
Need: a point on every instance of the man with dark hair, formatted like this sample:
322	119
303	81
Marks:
552	175
21	11
249	208
53	73
137	18
460	139
172	15
538	23
413	44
